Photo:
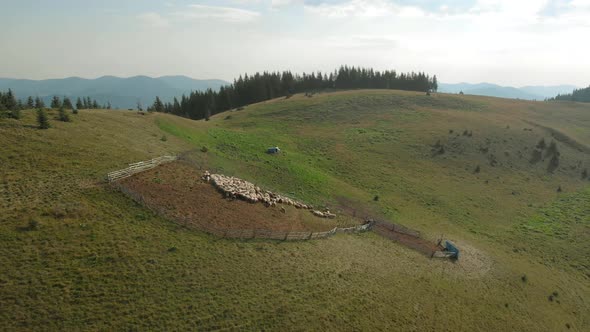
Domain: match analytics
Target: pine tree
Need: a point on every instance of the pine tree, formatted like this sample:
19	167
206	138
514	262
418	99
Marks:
42	119
67	103
95	104
30	102
79	104
176	106
15	113
158	106
63	116
9	100
108	105
2	107
39	103
55	102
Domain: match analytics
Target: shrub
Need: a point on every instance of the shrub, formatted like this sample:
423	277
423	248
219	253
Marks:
493	160
164	138
524	278
477	169
553	163
228	117
552	150
438	148
451	131
536	156
204	149
541	145
559	189
15	114
42	119
32	225
376	198
75	111
63	116
584	173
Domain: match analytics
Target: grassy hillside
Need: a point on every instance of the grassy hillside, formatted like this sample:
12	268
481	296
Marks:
95	260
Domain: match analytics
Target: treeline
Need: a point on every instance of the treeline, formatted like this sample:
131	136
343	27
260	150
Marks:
9	102
268	85
581	95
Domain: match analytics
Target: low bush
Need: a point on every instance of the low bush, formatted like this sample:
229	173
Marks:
42	119
553	163
63	116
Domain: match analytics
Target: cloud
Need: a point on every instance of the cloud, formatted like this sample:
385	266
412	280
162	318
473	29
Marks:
363	42
153	19
282	3
361	8
224	14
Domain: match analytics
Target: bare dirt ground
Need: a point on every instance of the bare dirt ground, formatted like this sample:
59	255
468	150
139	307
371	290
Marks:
424	246
177	190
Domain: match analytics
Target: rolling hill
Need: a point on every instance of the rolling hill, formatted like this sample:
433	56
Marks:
78	254
120	92
494	90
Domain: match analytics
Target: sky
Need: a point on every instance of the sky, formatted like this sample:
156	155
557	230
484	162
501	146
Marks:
508	42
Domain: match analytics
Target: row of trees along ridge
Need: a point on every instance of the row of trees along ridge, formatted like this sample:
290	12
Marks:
268	85
580	95
8	101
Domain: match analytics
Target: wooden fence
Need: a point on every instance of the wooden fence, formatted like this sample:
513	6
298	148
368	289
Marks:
245	234
138	167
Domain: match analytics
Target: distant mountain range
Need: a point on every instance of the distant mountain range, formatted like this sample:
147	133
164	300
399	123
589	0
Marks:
494	90
120	92
126	92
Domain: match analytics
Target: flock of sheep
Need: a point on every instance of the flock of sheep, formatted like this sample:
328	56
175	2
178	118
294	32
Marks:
237	188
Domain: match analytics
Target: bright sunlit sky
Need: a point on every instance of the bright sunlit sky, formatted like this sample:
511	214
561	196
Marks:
509	42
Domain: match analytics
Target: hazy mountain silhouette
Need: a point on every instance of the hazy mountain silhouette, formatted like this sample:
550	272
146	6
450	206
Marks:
120	92
494	90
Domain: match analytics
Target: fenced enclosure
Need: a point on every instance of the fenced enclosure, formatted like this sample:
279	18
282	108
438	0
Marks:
139	167
401	234
243	234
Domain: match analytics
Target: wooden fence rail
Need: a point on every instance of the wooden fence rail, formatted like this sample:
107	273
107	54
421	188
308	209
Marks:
139	167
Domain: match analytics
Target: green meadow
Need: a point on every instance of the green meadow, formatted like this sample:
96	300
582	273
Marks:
78	255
